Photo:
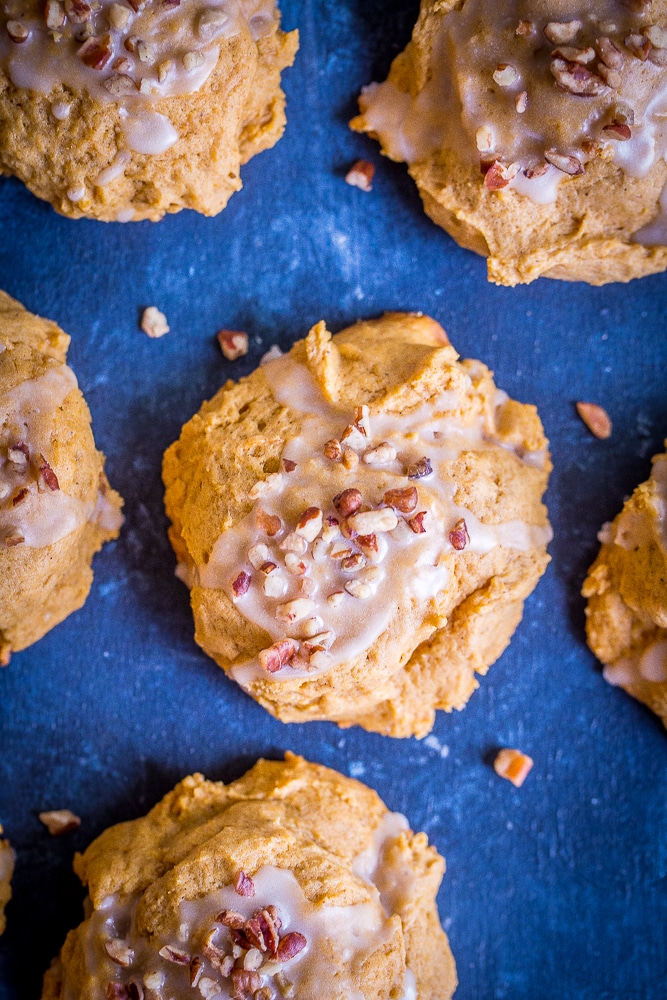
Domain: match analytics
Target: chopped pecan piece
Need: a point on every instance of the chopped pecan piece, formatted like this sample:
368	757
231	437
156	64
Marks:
596	419
270	524
498	176
420	468
577	79
233	343
96	52
617	130
348	502
310	524
244	885
562	32
174	955
241	584
59	821
333	450
513	765
371	522
416	523
609	53
154	322
17	31
360	175
20	497
403	499
54	14
48	475
571	165
230	918
639	45
459	536
119	952
277	656
290	946
289	465
196	970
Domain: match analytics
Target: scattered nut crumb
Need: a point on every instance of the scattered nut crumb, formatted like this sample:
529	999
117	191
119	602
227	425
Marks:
59	821
154	322
233	343
360	175
513	765
596	419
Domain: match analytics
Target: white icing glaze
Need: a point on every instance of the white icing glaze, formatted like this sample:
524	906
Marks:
460	96
33	513
150	133
349	604
117	169
338	941
649	665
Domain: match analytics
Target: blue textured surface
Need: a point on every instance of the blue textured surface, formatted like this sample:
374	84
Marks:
557	890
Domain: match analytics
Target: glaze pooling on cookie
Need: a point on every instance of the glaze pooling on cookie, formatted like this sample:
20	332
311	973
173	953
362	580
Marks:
323	583
34	511
533	92
260	934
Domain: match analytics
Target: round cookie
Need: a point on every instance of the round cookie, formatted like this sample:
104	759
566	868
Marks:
536	133
56	506
124	110
626	587
293	881
360	522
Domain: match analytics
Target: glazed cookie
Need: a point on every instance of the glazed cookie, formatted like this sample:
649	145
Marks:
122	110
6	872
536	132
56	506
626	617
360	522
293	881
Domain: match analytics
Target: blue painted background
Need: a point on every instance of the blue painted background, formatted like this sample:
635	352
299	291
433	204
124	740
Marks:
554	891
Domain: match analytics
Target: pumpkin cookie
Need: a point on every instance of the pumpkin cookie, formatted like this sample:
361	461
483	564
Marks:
123	110
626	587
6	872
360	522
536	133
293	881
56	506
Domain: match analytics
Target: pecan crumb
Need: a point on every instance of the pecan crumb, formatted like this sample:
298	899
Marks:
459	536
347	502
241	584
175	955
233	343
290	946
596	419
154	323
404	499
513	765
59	821
422	467
360	175
48	475
416	523
289	465
333	450
277	656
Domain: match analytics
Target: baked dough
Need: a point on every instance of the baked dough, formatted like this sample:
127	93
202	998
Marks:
626	587
155	112
354	889
56	506
536	133
6	872
333	575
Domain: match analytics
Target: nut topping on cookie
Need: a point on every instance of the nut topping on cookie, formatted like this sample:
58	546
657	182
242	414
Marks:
244	885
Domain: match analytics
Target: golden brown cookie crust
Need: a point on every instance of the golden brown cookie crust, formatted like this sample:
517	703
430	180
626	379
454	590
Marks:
430	651
585	235
291	815
40	586
239	111
6	872
626	589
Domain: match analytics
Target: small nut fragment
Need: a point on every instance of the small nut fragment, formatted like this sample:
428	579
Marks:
611	77
291	945
596	419
54	14
17	31
275	585
289	465
295	611
571	165
383	454
241	584
484	139
357	588
294	543
657	36
524	29
459	536
286	987
296	565
513	765
244	885
59	821
233	343
422	467
505	75
370	522
610	54
119	952
335	599
78	11
617	130
310	524
499	175
360	175
639	45
164	69
577	79
348	502
258	554
521	102
572	54
118	15
403	499
192	61
270	524
196	970
210	22
209	988
49	478
154	323
352	563
333	450
120	86
264	486
416	523
562	32
350	459
146	52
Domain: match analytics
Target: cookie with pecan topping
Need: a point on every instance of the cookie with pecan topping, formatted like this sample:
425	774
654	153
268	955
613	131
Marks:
536	133
626	587
360	522
56	506
293	881
124	110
